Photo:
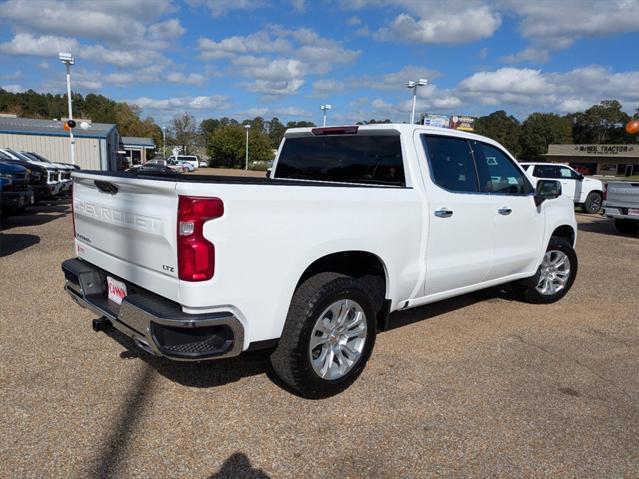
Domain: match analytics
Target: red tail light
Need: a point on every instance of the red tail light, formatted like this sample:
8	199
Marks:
196	255
335	130
605	191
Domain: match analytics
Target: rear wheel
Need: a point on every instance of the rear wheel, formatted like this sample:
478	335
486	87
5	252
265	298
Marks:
627	227
555	276
592	205
328	336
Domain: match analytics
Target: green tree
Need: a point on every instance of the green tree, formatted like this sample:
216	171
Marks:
601	124
540	130
227	147
502	128
276	130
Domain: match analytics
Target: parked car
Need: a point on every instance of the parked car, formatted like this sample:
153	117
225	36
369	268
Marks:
42	158
167	164
152	168
65	170
15	192
203	164
188	167
621	202
38	177
355	223
53	183
584	191
192	159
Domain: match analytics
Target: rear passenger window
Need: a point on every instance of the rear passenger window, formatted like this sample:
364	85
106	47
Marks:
545	171
372	159
451	163
497	172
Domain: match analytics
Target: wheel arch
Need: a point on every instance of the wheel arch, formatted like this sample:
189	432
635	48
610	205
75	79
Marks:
357	264
565	232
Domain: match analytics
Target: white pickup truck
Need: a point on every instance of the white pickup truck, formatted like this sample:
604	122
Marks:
622	204
354	223
584	191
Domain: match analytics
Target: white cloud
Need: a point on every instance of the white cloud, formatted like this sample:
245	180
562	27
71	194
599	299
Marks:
292	111
214	102
354	21
396	80
222	7
15	88
46	46
450	22
274	87
513	80
190	79
530	54
325	87
258	42
299	5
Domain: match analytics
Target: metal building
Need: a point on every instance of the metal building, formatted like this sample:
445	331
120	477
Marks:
138	149
96	148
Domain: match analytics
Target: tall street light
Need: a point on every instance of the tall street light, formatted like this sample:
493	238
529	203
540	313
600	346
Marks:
247	128
164	142
68	60
324	109
413	86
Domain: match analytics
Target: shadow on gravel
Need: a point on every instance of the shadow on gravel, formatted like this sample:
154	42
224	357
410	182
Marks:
12	243
432	310
601	226
238	465
204	374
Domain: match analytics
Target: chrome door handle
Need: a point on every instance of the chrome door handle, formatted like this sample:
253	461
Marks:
504	211
443	213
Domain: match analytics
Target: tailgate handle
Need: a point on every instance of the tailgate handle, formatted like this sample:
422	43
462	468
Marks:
106	187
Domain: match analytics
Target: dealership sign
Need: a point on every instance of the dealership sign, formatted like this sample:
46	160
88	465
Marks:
605	150
456	122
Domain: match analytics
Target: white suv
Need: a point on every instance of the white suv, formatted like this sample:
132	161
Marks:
584	191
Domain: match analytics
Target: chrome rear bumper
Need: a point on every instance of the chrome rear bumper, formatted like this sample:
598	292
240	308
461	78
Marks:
155	324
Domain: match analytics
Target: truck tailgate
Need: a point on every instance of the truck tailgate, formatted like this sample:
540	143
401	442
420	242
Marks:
127	226
623	193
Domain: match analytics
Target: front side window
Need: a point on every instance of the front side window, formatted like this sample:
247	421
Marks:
370	159
497	172
565	172
451	163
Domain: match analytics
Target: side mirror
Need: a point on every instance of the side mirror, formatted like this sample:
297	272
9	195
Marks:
547	190
581	177
268	172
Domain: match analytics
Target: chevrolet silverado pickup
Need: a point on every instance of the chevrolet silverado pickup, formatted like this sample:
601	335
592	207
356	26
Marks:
622	204
353	224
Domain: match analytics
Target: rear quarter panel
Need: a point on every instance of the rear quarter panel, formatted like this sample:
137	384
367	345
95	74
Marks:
269	235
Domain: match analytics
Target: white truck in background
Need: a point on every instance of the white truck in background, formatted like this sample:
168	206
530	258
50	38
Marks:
353	224
585	192
621	203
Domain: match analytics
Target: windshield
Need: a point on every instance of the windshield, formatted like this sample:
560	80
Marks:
20	156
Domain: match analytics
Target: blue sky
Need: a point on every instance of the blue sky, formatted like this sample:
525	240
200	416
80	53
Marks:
285	58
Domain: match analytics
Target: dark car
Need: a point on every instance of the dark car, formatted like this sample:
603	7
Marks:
38	177
153	169
38	157
15	192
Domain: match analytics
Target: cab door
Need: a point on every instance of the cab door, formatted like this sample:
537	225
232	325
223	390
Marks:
569	184
518	224
461	218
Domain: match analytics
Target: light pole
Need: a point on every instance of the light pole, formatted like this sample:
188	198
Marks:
164	142
68	60
247	128
324	109
413	86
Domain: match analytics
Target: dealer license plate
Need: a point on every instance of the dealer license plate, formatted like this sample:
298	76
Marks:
117	290
633	211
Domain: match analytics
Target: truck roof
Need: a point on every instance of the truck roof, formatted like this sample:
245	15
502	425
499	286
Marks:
402	128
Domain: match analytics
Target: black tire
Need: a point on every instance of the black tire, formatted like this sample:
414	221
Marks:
291	361
526	290
593	203
627	227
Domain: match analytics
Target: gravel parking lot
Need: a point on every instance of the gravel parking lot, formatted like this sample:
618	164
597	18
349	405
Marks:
476	386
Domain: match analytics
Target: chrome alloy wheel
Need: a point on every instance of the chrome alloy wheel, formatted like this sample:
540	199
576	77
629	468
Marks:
555	271
338	339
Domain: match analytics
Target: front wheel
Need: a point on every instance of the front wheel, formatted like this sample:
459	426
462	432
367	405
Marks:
328	336
592	205
555	276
